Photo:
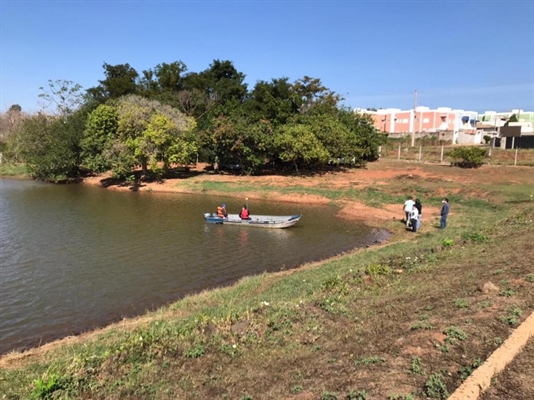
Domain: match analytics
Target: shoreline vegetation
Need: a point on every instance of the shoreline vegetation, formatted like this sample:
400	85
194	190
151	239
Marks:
411	318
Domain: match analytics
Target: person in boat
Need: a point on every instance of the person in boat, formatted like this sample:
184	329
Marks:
244	214
221	211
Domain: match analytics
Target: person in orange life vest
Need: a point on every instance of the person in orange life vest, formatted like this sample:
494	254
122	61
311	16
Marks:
221	211
244	214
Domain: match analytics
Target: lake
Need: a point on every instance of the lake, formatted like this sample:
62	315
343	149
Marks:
76	257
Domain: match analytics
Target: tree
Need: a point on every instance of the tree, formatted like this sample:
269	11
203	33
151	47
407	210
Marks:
275	101
365	137
10	121
297	144
236	140
513	118
121	80
164	78
100	130
314	96
150	132
49	146
336	137
62	97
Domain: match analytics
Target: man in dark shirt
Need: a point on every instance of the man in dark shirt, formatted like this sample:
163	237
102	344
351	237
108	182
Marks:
444	213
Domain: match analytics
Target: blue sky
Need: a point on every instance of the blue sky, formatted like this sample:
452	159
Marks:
475	55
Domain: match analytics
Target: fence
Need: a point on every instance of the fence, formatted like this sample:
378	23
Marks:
439	154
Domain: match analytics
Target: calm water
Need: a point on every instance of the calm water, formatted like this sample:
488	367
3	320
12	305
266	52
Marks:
74	257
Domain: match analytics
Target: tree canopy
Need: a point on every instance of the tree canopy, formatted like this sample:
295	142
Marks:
168	116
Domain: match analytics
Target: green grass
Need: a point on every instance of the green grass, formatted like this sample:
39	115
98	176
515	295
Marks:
12	169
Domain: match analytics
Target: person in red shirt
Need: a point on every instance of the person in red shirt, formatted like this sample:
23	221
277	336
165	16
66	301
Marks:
244	214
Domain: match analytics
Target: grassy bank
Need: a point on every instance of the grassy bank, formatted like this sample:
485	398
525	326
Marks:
405	320
12	169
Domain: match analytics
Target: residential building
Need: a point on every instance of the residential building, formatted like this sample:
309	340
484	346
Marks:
422	120
525	119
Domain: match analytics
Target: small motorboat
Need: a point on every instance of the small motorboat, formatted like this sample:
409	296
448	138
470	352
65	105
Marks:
260	221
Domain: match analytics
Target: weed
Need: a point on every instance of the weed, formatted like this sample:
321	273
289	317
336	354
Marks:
247	397
231	350
44	389
507	292
366	361
467	370
401	397
424	317
335	285
377	269
461	303
195	352
359	395
296	389
498	341
498	271
329	396
332	304
486	304
435	388
512	317
415	366
443	348
475	237
454	333
447	242
421	326
530	278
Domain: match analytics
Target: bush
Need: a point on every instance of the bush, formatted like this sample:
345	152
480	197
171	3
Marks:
467	157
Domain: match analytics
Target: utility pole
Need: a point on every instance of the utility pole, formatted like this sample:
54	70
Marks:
414	116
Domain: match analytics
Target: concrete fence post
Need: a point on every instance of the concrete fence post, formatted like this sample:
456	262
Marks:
420	152
441	158
398	156
515	158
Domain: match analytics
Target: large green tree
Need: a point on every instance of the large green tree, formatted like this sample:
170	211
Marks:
274	101
50	146
121	80
315	97
297	144
236	140
151	132
100	131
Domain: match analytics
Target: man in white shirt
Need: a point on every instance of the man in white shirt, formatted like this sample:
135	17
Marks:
408	207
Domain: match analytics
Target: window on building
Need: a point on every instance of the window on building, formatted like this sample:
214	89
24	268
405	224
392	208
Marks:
426	120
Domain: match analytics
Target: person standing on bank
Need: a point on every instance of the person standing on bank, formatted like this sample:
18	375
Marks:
408	205
419	207
444	213
414	219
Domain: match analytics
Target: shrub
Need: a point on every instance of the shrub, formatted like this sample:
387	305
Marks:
467	157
